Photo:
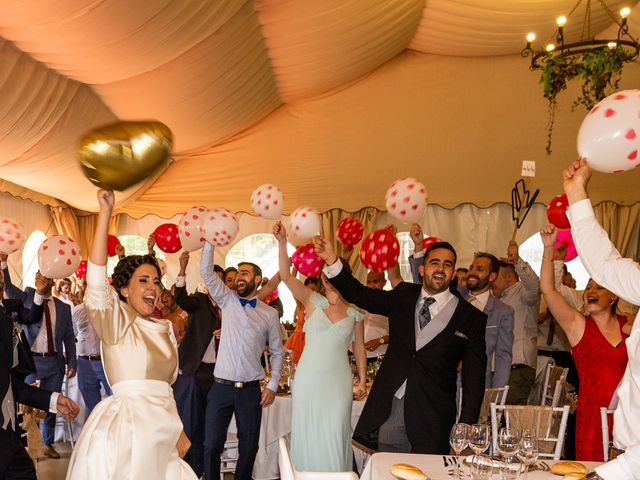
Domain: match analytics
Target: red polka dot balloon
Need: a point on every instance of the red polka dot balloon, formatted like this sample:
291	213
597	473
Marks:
267	201
167	238
306	261
379	250
304	224
189	228
406	200
350	231
11	235
609	137
557	211
58	257
428	241
220	227
112	243
81	271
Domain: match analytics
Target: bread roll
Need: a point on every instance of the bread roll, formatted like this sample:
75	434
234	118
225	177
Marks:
574	476
407	472
566	467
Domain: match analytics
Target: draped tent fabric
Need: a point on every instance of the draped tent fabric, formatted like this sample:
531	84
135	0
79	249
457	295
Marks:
331	101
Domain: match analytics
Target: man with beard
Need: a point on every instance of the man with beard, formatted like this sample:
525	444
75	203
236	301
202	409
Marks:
499	333
246	324
411	406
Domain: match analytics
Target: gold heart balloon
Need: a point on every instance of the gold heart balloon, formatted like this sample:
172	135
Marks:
121	154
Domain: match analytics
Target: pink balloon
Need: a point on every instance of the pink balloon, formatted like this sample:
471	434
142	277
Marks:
350	231
564	236
220	227
380	250
189	228
11	235
307	261
58	257
167	238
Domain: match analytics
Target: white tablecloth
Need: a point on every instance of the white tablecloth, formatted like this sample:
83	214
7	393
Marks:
276	423
433	466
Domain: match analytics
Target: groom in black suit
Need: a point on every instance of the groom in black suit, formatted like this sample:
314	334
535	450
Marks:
412	404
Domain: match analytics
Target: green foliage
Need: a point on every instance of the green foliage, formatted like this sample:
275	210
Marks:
599	70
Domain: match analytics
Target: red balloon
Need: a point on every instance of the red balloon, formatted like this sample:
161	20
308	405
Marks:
350	231
307	261
112	243
428	241
379	250
81	271
564	236
557	212
168	238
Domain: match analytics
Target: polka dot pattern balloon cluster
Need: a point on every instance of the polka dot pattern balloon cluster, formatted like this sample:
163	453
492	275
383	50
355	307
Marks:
350	231
306	261
220	227
11	235
609	137
379	250
189	228
58	257
168	238
267	201
406	200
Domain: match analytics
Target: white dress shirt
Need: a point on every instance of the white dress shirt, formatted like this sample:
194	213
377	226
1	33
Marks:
40	343
621	276
479	301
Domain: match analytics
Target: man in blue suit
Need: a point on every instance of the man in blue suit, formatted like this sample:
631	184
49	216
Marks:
50	337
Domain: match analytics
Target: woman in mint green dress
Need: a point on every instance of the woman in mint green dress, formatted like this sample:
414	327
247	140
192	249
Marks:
323	391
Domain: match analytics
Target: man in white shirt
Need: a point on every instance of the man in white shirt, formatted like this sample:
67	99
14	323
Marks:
622	277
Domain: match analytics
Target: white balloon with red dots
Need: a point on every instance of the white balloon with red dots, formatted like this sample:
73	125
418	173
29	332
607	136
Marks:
267	201
58	257
189	228
11	235
304	224
609	137
406	200
220	227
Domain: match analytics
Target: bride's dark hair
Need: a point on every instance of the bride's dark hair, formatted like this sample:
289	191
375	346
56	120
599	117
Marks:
124	271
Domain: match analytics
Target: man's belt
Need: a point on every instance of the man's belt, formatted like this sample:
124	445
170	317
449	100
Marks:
252	383
518	366
38	354
91	357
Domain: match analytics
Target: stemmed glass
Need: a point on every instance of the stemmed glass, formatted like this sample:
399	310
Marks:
508	445
479	438
528	452
459	439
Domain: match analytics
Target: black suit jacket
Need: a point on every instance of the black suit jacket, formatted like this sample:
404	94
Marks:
430	397
22	392
204	318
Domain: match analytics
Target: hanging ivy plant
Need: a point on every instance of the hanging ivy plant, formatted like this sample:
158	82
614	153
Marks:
599	69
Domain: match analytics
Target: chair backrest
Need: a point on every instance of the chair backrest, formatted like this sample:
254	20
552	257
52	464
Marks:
553	381
284	460
549	423
288	472
492	395
605	413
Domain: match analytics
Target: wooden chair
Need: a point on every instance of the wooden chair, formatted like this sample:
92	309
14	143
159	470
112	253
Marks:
288	472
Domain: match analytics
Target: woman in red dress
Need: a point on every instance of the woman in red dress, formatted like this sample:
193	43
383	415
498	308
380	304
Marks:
598	347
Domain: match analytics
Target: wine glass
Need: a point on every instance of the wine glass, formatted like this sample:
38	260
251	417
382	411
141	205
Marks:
508	445
528	452
458	439
479	438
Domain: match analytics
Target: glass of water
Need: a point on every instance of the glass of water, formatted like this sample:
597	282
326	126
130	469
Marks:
528	451
508	446
459	439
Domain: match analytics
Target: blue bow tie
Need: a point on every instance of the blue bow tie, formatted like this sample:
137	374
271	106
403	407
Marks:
252	303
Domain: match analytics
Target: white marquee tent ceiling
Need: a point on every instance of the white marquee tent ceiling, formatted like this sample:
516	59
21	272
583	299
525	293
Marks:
331	100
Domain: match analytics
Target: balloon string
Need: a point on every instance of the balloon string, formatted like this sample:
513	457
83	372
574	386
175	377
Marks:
20	277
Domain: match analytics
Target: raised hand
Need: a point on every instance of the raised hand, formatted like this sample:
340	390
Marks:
106	199
280	232
575	180
120	250
3	257
184	261
151	242
416	235
548	235
512	251
324	250
41	282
